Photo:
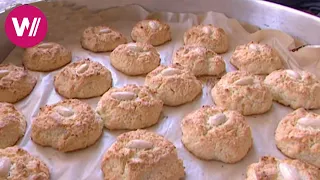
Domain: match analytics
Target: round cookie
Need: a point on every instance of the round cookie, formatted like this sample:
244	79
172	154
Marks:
200	60
83	79
46	57
129	107
255	58
15	83
66	126
242	92
211	133
12	125
174	84
18	164
298	136
135	58
294	89
208	36
101	39
272	168
142	155
151	31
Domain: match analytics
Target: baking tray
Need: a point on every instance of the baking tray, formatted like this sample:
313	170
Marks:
96	149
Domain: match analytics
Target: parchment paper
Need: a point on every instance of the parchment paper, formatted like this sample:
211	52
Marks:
66	24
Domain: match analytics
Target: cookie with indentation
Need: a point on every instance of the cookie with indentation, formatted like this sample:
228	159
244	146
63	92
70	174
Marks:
135	58
270	167
298	136
151	31
142	155
209	36
66	126
242	92
129	107
212	133
83	79
294	89
175	85
15	83
46	57
101	39
200	60
255	58
18	164
12	125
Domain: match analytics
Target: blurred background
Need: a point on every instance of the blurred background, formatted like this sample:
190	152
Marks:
308	6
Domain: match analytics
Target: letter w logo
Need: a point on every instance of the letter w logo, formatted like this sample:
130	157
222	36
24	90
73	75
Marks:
25	25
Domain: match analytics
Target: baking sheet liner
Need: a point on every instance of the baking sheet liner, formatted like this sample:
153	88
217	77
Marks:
66	23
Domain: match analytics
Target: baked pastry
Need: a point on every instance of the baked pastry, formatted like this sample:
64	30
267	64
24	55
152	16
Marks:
294	89
46	57
208	36
174	84
15	83
18	164
212	133
101	39
272	168
200	60
255	58
298	136
129	107
12	125
83	79
135	58
242	92
142	155
66	126
151	31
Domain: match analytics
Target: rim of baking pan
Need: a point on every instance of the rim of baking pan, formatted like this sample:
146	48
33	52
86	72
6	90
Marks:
8	5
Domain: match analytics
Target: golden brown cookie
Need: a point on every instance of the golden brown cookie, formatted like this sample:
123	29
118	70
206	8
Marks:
83	79
174	84
151	31
46	57
208	36
142	155
212	133
15	83
101	39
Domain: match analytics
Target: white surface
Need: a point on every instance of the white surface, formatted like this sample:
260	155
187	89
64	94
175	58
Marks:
65	26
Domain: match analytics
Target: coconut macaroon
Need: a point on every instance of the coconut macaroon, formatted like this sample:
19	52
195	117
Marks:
294	89
66	126
83	79
18	164
174	84
242	92
129	107
15	83
211	133
12	125
298	136
46	57
200	60
142	155
272	168
255	58
135	58
151	31
101	39
208	36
